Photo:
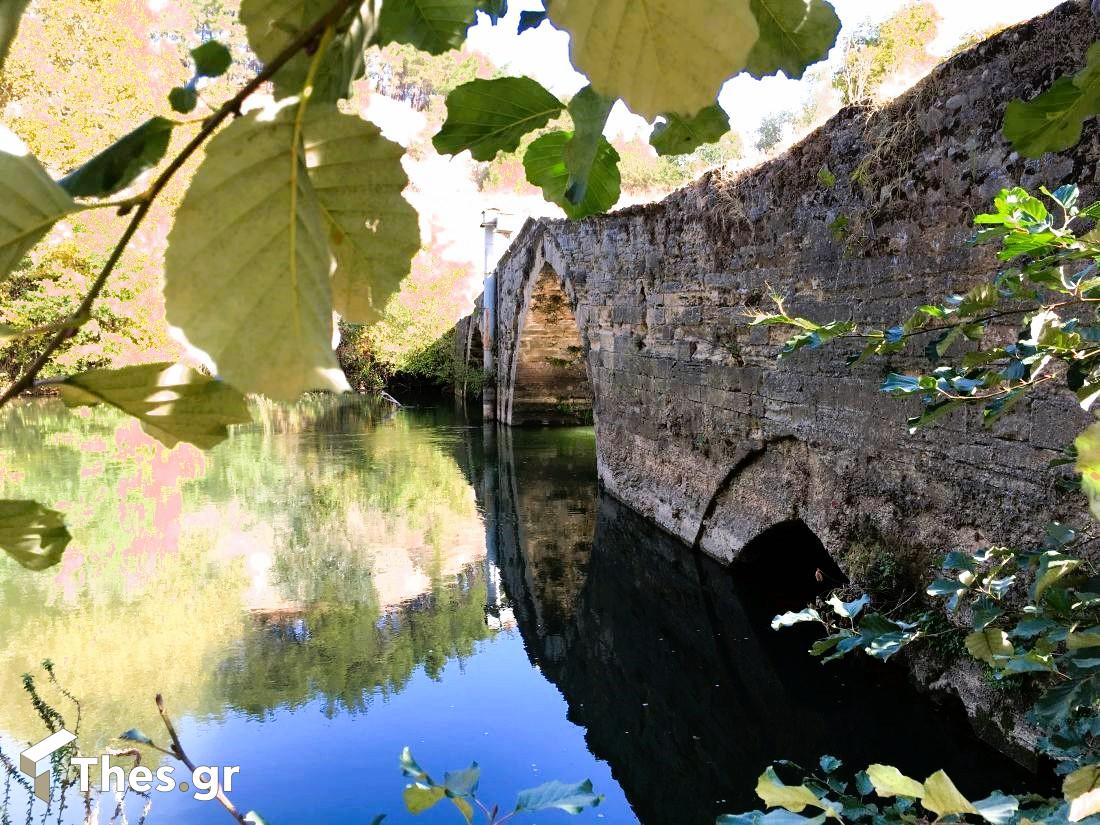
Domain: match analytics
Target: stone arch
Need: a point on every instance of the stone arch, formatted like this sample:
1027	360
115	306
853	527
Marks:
550	381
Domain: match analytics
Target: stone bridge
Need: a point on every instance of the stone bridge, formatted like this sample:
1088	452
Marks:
638	319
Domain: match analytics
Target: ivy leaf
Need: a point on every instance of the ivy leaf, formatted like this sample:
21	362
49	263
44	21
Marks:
212	59
250	239
530	20
569	798
1052	567
30	202
889	781
794	34
433	26
119	165
373	231
1082	790
421	798
174	403
273	24
10	12
680	135
490	116
794	798
589	111
658	55
989	644
545	165
33	535
943	798
1053	121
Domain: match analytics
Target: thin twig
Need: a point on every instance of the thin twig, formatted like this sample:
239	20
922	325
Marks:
145	201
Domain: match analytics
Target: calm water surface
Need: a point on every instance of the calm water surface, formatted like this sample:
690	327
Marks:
337	582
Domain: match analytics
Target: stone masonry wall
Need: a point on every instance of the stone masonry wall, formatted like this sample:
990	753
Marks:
703	431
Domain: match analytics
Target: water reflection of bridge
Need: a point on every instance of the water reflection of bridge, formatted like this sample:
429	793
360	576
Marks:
667	659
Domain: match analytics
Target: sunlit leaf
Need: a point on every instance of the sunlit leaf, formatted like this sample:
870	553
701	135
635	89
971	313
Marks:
790	618
464	808
545	166
117	166
434	26
849	610
253	818
569	798
420	798
794	798
943	798
30	202
1088	465
989	644
589	111
1053	121
658	55
33	535
997	809
10	12
794	34
411	768
490	116
173	403
250	240
1053	566
1082	790
678	135
889	781
373	231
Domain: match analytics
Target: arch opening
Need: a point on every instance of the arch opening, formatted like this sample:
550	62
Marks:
551	377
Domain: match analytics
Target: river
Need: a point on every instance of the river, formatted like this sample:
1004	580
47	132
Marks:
339	580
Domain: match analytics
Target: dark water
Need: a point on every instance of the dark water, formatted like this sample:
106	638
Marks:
335	583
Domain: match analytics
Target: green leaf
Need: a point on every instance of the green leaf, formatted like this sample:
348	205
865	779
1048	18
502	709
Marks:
373	231
174	403
1053	566
679	135
183	99
10	12
30	202
490	116
212	59
889	781
421	798
657	55
1053	121
943	798
462	783
530	20
569	798
33	535
1081	639
849	610
829	764
135	735
1087	445
589	111
464	808
794	798
433	26
997	808
117	166
989	644
494	9
273	24
794	34
546	168
250	239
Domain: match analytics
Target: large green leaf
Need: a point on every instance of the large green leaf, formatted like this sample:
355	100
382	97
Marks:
943	798
1053	121
247	271
589	110
273	24
679	135
988	645
490	116
433	26
546	168
373	231
658	55
10	12
569	798
30	202
33	535
794	34
173	403
117	166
